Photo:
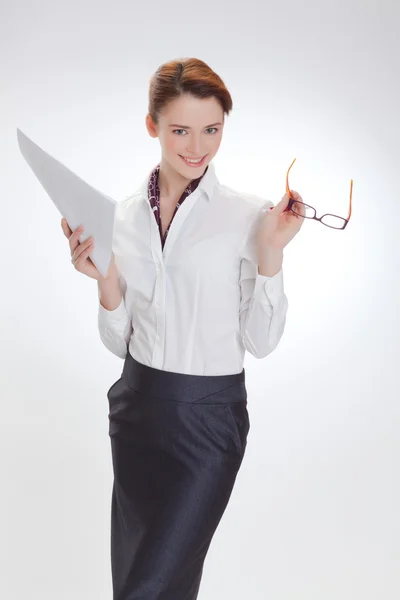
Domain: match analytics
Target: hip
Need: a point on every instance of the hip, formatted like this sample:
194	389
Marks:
177	412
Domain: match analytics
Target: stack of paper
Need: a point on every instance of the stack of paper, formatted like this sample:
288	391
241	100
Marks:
77	201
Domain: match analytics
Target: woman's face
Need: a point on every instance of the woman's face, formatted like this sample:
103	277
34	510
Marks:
189	127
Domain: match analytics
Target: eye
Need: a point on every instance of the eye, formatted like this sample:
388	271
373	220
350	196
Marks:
209	129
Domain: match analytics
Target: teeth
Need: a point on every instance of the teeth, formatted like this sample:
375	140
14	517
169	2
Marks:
191	160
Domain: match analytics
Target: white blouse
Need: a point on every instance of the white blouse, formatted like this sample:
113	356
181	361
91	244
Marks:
197	305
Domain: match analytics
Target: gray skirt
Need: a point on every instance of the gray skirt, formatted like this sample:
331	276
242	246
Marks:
177	443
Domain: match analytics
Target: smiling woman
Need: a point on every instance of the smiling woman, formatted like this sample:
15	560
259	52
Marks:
192	303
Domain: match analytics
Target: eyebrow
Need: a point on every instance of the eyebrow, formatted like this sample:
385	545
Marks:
187	126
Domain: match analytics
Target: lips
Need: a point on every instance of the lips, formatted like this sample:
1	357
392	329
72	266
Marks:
193	164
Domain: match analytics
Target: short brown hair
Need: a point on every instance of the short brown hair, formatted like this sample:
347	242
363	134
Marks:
185	76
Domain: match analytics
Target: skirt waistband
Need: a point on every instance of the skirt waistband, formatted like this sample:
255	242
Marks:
183	387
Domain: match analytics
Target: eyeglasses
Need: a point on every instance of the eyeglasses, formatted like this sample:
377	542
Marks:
308	212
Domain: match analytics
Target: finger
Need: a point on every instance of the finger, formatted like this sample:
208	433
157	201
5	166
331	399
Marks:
66	229
82	257
282	204
81	248
74	238
296	195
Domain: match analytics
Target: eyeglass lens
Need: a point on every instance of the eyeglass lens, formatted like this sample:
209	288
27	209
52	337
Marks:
308	212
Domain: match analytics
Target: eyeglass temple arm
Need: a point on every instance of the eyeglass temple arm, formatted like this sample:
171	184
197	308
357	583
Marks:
351	199
351	190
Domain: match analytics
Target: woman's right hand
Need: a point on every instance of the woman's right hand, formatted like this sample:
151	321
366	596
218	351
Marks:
80	254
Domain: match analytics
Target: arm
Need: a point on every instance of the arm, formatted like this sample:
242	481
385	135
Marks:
114	322
263	305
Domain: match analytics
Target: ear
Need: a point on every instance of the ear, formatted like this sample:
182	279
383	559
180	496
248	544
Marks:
151	127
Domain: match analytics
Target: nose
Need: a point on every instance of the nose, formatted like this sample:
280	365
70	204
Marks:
194	148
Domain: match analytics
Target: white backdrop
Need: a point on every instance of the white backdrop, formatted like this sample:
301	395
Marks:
315	511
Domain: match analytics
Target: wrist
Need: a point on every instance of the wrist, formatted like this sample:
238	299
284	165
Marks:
112	274
109	291
270	261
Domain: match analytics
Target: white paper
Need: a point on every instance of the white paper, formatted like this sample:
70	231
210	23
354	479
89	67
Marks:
77	201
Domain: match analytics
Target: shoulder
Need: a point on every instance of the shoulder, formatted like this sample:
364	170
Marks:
124	218
250	205
250	208
127	204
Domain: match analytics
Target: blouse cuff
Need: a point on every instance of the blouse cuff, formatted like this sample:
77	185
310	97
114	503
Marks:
113	316
269	290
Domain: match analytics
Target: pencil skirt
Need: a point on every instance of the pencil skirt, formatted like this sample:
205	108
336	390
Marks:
177	443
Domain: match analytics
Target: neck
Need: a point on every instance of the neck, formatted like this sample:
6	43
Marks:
171	183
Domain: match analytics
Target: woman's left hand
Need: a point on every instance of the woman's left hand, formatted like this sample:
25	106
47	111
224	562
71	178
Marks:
279	226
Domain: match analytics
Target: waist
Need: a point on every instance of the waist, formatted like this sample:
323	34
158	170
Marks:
183	387
184	355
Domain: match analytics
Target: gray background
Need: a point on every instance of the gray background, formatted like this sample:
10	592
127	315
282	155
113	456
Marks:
315	511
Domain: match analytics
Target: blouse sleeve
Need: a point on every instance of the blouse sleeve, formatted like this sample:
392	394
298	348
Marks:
263	303
115	326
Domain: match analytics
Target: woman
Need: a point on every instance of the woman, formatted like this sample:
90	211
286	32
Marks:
195	280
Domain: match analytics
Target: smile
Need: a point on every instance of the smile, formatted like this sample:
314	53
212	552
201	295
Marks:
194	162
